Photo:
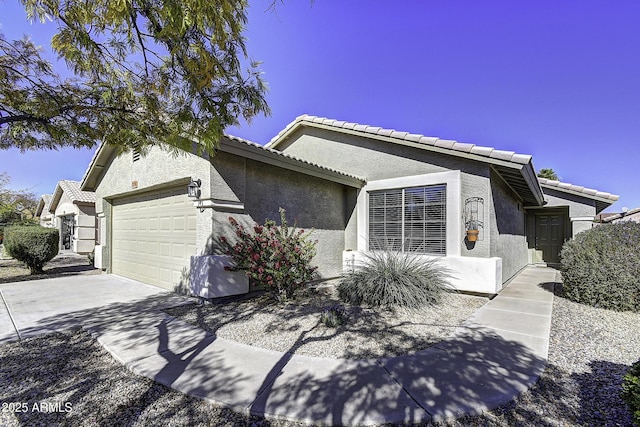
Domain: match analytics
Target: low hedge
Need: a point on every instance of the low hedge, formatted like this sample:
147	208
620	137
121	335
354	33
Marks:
601	267
34	246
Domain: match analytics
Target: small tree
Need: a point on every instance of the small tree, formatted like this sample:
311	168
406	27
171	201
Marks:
34	246
145	73
278	258
548	174
14	203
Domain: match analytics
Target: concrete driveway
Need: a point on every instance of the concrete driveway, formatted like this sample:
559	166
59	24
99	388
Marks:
42	306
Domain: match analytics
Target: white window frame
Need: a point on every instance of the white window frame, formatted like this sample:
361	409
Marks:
453	211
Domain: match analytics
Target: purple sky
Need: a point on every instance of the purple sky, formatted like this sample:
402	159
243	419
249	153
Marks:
558	80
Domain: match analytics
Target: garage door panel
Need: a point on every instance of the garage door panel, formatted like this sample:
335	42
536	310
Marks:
154	237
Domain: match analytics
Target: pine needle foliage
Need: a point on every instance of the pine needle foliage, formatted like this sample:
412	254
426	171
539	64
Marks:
391	279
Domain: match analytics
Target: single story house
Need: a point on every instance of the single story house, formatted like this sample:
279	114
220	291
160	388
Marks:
149	228
74	215
42	211
482	212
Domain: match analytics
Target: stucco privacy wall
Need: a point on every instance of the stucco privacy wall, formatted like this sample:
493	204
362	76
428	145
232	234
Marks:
378	161
254	191
157	169
508	228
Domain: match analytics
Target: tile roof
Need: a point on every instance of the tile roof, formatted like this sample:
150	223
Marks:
392	134
516	169
43	204
73	191
290	157
577	189
611	217
243	147
72	188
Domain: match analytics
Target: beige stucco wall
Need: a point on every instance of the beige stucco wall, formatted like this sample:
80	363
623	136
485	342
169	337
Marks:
508	228
155	170
233	185
83	239
376	160
582	210
388	165
65	206
262	189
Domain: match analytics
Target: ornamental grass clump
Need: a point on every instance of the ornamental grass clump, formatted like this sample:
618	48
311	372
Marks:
395	279
276	257
601	267
33	245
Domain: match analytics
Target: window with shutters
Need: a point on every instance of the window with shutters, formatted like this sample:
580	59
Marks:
409	219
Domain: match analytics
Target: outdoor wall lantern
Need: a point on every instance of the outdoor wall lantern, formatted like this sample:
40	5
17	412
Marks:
474	218
193	189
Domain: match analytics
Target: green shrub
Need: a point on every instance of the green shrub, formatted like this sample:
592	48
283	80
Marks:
631	391
33	245
391	278
276	257
601	267
28	222
333	316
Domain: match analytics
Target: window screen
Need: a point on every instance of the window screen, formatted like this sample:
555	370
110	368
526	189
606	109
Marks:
409	220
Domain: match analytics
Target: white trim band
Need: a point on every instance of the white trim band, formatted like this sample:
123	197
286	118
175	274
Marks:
218	204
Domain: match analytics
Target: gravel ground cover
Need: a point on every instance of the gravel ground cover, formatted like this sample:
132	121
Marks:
296	327
62	265
590	350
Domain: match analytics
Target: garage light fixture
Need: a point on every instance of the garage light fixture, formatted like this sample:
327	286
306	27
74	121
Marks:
193	189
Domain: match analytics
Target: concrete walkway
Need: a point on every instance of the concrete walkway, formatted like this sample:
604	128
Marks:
495	355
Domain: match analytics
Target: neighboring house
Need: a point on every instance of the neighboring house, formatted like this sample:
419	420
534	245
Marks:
628	215
74	216
47	219
360	187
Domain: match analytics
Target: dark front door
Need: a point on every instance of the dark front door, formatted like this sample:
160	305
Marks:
550	236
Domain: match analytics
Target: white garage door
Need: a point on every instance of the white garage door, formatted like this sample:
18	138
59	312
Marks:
153	237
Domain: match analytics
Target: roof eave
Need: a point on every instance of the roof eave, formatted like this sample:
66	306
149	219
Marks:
40	207
278	159
526	170
55	199
96	167
601	203
436	149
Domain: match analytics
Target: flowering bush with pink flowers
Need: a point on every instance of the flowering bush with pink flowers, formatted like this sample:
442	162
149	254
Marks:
277	257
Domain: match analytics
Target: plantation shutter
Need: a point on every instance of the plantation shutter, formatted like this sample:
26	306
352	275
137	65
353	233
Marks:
409	220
